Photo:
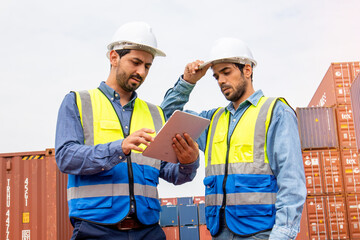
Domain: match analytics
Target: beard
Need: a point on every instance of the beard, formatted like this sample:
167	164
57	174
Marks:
123	81
239	91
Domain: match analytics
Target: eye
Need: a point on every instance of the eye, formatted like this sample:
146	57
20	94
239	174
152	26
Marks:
226	73
136	63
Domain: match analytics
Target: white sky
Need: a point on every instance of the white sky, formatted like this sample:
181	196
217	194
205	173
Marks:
49	48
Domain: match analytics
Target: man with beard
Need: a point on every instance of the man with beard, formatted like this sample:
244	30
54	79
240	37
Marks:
254	176
101	133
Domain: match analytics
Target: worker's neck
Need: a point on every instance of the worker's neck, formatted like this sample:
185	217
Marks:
125	96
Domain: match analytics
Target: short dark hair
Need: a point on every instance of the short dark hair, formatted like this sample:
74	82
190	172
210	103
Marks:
241	67
122	52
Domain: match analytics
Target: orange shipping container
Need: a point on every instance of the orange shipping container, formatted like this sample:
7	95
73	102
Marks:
332	173
346	128
168	201
334	88
33	202
353	213
172	233
304	227
317	217
199	199
204	233
355	105
336	217
313	176
351	169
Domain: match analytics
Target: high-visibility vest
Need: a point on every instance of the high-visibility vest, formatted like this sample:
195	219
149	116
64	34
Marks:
238	175
105	197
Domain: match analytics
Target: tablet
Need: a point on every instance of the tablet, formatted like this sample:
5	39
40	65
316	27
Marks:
179	122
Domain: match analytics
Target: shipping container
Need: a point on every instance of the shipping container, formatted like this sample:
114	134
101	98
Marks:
317	127
304	226
346	127
351	170
171	233
199	199
353	213
184	200
336	217
317	217
202	218
33	202
204	233
189	232
168	201
355	69
334	88
188	215
169	216
331	171
355	105
313	176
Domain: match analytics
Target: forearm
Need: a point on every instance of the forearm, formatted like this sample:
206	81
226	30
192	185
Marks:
178	173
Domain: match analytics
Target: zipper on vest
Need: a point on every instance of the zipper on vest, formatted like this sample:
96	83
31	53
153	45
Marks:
226	169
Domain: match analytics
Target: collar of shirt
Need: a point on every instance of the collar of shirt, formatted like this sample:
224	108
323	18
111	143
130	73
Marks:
112	94
253	99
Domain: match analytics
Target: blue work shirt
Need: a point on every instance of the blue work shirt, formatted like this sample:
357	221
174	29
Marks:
283	150
73	157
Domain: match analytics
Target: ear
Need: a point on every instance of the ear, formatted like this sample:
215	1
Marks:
114	58
247	71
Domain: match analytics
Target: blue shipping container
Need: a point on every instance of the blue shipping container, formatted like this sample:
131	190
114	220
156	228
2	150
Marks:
189	232
202	218
184	200
169	215
188	214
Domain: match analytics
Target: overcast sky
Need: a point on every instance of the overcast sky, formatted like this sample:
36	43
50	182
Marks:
49	48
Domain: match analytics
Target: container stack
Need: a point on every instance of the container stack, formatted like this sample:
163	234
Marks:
184	218
330	157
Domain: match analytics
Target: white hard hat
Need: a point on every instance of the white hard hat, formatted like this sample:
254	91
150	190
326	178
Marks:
135	35
230	50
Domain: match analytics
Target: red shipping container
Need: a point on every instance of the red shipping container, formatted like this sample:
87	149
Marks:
334	88
204	233
351	170
346	128
355	105
304	227
33	200
317	217
199	199
353	213
313	174
355	69
336	217
168	201
172	233
332	172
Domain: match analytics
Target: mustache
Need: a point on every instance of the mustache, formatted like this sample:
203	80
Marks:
137	76
222	86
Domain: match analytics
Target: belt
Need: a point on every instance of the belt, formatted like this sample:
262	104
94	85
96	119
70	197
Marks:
128	223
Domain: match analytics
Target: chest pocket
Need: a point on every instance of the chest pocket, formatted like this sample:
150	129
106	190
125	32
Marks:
109	131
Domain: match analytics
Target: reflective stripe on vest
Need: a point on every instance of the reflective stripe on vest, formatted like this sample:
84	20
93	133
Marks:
258	165
247	198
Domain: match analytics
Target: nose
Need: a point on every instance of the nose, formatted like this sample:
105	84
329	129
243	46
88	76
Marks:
221	79
142	71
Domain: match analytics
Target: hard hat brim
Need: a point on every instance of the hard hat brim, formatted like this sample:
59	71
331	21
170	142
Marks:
230	60
135	46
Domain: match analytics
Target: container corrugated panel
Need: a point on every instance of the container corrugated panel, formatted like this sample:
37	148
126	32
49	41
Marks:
188	214
168	201
351	170
189	232
204	233
199	199
353	213
184	200
304	226
355	104
317	127
171	233
202	218
317	217
33	197
336	217
334	88
355	69
314	182
169	215
346	128
332	171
